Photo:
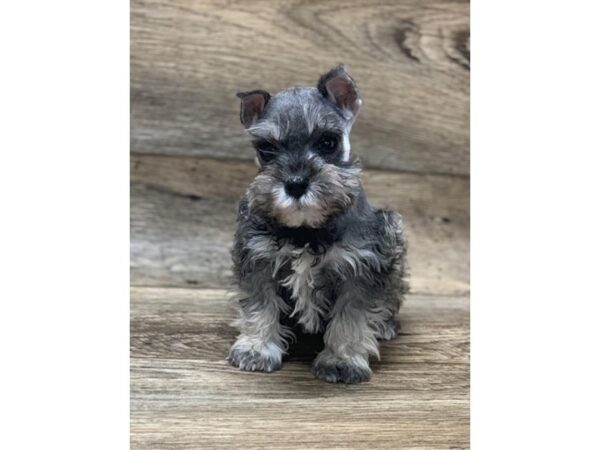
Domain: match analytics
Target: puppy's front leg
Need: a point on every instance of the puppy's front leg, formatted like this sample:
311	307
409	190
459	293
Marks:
262	340
349	340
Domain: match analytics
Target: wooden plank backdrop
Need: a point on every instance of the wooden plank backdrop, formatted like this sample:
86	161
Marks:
190	164
410	58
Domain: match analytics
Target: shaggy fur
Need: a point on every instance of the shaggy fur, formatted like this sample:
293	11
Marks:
319	258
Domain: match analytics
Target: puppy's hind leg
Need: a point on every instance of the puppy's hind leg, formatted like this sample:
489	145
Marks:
384	317
388	329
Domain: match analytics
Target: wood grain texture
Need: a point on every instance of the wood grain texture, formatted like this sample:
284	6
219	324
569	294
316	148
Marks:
183	218
410	58
185	396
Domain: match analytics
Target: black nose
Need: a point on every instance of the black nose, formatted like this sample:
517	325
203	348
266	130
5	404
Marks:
296	186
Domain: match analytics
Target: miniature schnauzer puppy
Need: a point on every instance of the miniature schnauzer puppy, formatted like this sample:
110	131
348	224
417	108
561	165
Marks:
309	251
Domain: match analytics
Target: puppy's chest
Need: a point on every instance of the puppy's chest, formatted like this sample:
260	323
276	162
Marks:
305	276
301	270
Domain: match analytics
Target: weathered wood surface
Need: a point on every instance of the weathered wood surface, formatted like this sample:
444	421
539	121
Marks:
183	218
410	58
185	396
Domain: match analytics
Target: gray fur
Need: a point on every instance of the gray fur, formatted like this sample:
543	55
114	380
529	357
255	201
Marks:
326	262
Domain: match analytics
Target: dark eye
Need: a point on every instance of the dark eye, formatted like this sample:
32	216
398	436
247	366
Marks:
327	144
266	151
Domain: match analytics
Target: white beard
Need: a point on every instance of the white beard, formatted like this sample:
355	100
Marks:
292	212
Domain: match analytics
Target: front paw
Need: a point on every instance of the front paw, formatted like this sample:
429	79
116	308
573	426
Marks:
332	369
264	358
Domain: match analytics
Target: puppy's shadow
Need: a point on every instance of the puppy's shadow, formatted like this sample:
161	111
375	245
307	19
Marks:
305	347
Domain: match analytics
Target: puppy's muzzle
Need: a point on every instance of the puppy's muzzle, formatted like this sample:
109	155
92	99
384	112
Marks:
296	186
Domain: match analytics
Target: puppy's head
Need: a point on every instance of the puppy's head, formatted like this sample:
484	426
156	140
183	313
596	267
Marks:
302	141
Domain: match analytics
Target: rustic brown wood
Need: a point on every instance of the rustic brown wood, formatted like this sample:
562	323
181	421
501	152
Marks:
183	218
185	396
410	57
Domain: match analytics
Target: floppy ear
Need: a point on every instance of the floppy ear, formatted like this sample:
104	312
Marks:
340	88
252	105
